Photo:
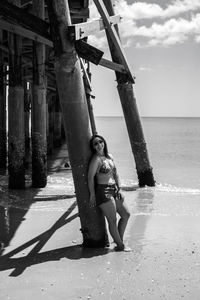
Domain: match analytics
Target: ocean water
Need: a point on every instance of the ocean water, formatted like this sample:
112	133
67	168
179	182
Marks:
173	147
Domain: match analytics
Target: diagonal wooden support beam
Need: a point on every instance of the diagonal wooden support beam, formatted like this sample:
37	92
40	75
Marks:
113	35
19	16
94	55
81	30
86	74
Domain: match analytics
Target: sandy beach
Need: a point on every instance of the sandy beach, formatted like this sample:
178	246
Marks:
44	258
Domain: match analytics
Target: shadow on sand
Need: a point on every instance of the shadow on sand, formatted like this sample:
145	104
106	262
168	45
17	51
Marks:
34	257
14	204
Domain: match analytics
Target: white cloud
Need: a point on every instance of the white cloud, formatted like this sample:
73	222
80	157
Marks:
143	10
171	32
98	41
175	29
146	69
94	14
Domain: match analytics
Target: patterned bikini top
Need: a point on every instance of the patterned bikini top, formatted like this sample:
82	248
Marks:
106	167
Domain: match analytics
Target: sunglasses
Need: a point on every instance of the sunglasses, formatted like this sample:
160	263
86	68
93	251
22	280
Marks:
98	142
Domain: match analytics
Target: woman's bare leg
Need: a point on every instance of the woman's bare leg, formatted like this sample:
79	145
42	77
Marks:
124	213
110	212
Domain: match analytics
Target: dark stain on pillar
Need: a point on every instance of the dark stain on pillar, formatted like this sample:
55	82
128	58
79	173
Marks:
39	162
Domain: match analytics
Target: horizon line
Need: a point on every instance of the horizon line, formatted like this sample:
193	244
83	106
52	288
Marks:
121	116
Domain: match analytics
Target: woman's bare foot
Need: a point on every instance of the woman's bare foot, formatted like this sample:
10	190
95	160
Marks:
122	248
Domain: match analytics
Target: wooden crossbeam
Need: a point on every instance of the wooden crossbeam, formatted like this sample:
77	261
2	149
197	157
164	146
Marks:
112	65
25	32
88	52
34	28
81	30
94	55
113	35
79	13
22	18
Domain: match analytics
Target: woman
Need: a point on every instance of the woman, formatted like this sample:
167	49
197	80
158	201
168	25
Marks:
104	187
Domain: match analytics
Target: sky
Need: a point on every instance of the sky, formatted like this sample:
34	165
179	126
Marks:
161	41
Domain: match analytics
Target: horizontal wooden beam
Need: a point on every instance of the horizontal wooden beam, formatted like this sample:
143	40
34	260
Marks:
24	32
81	30
78	4
79	13
41	35
94	55
112	65
22	18
88	52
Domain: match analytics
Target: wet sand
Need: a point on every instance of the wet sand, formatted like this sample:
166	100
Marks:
44	258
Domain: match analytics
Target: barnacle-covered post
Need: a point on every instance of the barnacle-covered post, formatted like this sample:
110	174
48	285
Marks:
76	119
39	139
129	106
16	149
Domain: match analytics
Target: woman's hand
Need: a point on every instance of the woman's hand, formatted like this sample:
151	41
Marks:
92	201
120	196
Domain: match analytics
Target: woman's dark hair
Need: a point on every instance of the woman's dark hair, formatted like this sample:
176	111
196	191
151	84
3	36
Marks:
105	144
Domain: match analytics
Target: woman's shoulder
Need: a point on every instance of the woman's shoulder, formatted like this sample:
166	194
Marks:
95	159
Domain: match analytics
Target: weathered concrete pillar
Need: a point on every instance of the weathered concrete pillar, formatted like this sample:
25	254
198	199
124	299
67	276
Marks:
2	111
131	115
134	127
16	151
39	140
4	227
76	120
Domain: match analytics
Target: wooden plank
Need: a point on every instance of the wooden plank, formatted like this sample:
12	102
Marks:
24	32
112	65
78	3
88	52
79	14
113	35
81	30
94	55
85	74
21	17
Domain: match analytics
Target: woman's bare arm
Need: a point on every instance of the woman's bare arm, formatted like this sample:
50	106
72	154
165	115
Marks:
116	176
